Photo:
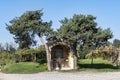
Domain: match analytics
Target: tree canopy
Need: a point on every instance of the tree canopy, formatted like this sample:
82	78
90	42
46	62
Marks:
81	31
25	27
116	43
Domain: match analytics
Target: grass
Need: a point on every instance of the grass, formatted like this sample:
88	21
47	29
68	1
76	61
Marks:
24	67
98	65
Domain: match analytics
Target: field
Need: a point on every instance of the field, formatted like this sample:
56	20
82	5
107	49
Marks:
24	67
98	65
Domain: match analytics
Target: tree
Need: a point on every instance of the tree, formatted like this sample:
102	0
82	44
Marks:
116	43
27	26
1	48
10	48
102	37
19	27
82	30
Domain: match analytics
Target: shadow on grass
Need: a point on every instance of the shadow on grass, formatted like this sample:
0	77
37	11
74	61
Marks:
97	66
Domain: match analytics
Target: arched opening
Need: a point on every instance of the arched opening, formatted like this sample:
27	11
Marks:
59	56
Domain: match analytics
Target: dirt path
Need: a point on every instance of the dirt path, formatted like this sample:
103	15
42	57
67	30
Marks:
63	76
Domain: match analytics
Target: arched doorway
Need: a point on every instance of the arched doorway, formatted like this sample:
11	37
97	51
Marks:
61	57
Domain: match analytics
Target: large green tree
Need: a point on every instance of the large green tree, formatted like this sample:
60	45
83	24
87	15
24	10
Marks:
100	38
82	30
25	27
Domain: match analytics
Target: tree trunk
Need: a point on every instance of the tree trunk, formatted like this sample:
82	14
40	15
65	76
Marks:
75	62
75	57
92	59
47	53
35	58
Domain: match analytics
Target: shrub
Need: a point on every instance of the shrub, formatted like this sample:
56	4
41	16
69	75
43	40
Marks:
34	55
5	58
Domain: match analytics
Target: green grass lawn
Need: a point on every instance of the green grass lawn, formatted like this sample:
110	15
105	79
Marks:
98	65
24	67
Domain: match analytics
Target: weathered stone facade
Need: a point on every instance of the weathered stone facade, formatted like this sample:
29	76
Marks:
61	57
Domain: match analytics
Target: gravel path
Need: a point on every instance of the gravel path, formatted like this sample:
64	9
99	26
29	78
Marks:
63	76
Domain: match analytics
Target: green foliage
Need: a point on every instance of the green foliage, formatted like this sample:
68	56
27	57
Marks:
5	58
6	53
83	51
81	32
100	53
99	39
109	53
98	65
116	43
7	47
78	31
102	37
25	27
78	28
35	55
1	48
24	67
96	61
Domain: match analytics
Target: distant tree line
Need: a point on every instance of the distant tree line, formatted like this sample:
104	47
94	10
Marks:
9	54
10	48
